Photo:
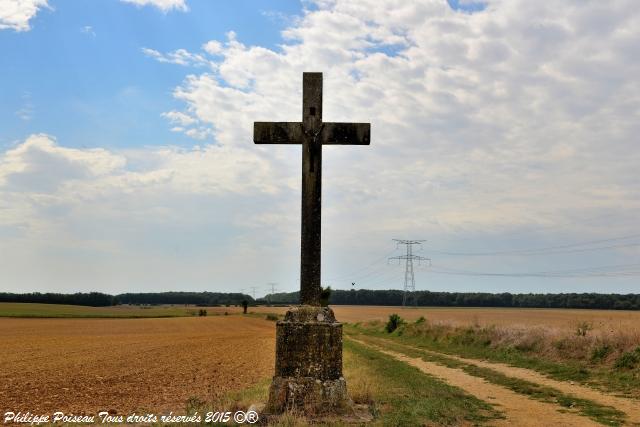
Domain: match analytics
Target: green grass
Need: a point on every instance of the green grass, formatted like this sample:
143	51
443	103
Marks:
10	309
397	395
475	346
603	414
403	395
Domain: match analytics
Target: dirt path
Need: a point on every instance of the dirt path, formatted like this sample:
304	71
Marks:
518	409
630	407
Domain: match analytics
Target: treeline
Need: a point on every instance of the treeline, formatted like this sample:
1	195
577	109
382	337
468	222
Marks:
96	299
473	299
197	298
93	299
340	297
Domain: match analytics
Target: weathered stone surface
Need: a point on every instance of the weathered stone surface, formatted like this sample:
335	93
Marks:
309	344
309	395
309	363
306	313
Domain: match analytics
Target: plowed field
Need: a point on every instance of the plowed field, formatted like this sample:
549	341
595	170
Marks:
126	365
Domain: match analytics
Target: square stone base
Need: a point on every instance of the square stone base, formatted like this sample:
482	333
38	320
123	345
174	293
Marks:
309	396
308	375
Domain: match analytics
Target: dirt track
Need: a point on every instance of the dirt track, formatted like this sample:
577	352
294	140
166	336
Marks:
126	365
517	409
512	403
630	407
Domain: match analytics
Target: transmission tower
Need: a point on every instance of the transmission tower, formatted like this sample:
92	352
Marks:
409	279
253	291
271	285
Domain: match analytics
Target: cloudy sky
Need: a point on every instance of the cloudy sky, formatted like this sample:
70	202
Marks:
505	133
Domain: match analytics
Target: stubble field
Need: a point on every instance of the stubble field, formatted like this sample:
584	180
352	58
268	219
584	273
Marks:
455	368
561	319
126	365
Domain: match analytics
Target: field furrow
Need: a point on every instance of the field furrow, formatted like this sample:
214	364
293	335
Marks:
126	365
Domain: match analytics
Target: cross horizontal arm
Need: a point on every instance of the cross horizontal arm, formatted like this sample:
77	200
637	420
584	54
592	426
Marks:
277	132
346	133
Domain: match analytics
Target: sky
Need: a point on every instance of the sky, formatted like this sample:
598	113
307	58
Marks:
504	133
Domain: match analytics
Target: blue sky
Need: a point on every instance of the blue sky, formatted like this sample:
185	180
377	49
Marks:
502	133
73	80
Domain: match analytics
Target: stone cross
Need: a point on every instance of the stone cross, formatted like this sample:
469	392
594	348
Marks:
312	133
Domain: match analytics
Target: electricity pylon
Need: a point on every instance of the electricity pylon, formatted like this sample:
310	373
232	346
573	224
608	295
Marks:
272	285
409	279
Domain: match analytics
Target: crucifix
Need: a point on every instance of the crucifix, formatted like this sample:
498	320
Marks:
312	133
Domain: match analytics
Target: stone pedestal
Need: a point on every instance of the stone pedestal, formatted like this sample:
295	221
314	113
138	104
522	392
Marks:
308	375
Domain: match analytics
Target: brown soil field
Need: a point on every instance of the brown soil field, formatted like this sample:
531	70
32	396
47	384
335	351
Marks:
157	364
127	365
601	320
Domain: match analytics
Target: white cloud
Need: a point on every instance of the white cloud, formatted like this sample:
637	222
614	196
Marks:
516	117
213	47
507	128
163	5
496	106
179	118
40	165
122	212
179	57
16	14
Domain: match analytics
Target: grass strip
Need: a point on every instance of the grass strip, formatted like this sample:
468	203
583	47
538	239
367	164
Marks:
396	393
625	383
600	413
403	395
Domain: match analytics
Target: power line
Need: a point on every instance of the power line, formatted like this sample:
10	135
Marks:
372	274
388	280
620	270
549	250
409	278
356	272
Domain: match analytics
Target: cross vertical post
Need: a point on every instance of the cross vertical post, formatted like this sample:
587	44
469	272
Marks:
310	248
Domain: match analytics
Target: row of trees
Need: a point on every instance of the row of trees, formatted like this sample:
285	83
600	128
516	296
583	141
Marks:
339	297
93	299
96	299
474	299
197	298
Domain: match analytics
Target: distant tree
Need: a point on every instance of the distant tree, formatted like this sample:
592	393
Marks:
325	295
